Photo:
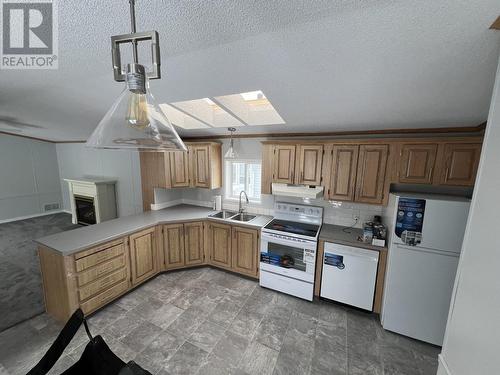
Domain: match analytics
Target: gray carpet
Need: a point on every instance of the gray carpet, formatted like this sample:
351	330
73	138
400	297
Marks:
20	282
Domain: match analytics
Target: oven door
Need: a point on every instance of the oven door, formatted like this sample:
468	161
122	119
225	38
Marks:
290	257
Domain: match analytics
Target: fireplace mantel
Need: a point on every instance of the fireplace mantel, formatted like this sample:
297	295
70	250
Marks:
99	191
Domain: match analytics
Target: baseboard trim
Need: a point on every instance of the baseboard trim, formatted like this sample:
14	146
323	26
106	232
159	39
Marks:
443	365
160	206
197	203
30	216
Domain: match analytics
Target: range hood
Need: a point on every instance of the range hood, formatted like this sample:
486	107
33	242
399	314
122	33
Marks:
300	191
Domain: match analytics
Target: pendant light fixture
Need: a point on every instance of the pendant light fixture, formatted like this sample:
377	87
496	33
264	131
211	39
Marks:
231	154
135	121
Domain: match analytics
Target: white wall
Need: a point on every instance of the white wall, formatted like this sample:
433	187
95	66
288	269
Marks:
472	339
29	177
76	160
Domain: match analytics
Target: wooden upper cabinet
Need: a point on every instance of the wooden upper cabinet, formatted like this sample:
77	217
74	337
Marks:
200	161
143	255
193	243
245	250
179	169
370	179
344	162
152	175
459	163
417	163
173	245
284	164
200	167
219	243
310	163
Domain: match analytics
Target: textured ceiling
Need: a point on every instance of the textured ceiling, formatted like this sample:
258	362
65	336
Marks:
325	65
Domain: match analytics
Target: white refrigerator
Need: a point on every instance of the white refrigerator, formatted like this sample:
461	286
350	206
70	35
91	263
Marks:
425	235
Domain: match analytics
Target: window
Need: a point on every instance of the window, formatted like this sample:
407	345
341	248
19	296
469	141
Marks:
243	175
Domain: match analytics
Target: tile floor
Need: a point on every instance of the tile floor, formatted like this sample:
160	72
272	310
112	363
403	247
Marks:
206	321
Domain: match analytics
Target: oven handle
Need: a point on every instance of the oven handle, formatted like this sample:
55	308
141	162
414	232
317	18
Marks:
309	245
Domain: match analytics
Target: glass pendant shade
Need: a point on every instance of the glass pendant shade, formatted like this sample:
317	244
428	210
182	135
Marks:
230	153
135	121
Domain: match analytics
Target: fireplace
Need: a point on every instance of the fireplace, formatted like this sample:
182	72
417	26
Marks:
85	210
93	199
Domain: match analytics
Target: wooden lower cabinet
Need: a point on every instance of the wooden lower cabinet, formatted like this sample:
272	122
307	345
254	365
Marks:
219	244
173	245
92	278
194	243
183	244
143	255
245	251
234	248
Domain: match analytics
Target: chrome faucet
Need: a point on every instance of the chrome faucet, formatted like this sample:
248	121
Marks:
241	210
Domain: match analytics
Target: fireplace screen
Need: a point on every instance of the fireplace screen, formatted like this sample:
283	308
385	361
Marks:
85	210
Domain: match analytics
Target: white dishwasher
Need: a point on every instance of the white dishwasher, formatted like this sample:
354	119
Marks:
349	275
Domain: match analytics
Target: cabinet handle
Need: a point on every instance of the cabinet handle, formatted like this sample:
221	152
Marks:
430	172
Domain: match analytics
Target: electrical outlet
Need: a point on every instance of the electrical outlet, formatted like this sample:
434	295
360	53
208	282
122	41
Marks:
51	206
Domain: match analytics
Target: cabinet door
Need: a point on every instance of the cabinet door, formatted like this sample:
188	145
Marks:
201	165
143	255
417	163
343	172
173	245
370	179
179	169
219	242
153	175
310	162
193	243
245	250
460	162
284	164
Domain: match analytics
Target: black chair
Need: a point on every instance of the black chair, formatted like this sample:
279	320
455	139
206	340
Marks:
97	358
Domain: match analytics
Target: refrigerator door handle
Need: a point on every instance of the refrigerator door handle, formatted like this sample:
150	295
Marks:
420	249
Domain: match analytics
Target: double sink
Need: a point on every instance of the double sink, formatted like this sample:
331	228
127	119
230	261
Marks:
231	215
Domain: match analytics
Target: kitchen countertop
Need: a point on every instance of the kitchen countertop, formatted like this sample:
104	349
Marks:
75	240
349	237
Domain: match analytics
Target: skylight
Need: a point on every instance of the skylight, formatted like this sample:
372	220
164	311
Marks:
247	108
253	95
181	119
253	108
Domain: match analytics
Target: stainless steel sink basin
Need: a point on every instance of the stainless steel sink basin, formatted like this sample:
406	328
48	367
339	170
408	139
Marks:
223	214
243	217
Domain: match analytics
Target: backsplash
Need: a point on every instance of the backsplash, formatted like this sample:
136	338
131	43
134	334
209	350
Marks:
336	212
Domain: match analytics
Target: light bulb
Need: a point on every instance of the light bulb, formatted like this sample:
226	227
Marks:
137	111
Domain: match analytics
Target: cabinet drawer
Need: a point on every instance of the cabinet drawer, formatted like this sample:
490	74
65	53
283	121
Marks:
102	284
100	270
101	256
103	298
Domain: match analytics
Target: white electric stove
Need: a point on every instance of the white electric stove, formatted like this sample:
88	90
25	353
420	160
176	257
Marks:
288	249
